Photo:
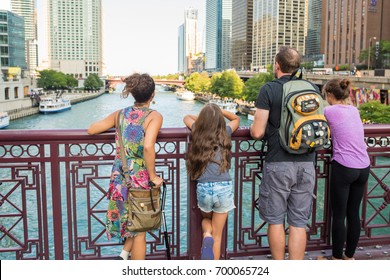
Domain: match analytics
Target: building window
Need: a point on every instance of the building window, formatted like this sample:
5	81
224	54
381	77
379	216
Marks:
3	50
6	93
16	93
4	61
3	39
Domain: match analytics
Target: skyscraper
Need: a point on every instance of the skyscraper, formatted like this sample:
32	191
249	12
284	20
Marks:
26	9
75	37
213	54
226	46
242	26
218	34
191	37
352	26
277	23
313	39
180	48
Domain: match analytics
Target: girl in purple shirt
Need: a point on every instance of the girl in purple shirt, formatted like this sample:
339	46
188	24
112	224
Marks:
349	171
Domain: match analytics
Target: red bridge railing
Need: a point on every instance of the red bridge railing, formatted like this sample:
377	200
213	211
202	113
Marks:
53	205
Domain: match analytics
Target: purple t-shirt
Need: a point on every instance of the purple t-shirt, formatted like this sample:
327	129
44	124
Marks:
347	133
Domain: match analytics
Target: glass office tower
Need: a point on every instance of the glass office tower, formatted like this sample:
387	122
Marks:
12	41
26	9
242	26
277	23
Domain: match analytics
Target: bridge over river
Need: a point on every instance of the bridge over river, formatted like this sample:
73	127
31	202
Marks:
112	82
368	82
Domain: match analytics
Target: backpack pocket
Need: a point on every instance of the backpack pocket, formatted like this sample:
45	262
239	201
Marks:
310	132
306	104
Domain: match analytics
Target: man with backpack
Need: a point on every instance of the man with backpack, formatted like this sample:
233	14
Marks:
289	116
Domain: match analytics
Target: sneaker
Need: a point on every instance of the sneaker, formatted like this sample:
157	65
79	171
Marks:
207	249
119	258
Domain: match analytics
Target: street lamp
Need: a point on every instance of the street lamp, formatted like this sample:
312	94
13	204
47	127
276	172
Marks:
369	52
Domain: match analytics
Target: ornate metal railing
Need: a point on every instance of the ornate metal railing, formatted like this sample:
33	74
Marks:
54	182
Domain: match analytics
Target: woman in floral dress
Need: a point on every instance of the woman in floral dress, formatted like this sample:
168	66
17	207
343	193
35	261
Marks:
139	126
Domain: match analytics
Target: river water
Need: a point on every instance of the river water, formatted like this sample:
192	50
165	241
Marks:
83	114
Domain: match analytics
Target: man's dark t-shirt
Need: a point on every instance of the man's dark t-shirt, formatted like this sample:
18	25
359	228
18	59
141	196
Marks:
270	98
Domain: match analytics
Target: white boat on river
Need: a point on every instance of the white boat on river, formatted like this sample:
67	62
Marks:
49	105
4	119
185	95
251	114
227	105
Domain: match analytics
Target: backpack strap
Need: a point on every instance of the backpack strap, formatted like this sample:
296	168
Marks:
297	73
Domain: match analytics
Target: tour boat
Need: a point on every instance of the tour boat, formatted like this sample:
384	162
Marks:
227	105
251	114
4	119
185	95
49	105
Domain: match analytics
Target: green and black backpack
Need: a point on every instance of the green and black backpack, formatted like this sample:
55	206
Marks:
303	126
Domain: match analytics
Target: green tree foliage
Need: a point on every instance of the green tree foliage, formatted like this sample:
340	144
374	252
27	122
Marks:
253	85
168	77
198	82
227	84
383	57
270	68
375	112
52	80
71	82
344	67
93	82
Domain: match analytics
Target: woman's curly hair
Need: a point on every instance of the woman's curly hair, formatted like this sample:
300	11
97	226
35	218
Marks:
141	87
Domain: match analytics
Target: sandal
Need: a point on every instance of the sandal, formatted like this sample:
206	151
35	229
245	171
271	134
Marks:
348	259
327	258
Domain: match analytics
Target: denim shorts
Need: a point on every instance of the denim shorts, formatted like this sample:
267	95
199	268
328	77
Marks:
287	190
215	196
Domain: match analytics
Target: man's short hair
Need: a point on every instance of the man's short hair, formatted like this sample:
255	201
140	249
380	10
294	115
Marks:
288	59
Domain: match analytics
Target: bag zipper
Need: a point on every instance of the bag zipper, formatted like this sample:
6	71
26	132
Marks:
289	121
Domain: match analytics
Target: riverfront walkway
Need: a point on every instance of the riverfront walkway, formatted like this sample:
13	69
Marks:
73	97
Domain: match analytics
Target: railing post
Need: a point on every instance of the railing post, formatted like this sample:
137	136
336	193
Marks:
194	223
56	201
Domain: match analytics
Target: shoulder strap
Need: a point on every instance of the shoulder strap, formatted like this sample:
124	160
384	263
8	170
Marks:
125	167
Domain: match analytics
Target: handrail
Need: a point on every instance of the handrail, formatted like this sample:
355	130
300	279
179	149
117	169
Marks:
52	196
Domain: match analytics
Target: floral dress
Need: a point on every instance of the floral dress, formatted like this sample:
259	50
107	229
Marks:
131	124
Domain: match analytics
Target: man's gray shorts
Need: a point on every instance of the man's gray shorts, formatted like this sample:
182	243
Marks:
287	188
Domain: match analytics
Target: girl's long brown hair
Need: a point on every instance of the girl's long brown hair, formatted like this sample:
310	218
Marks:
208	136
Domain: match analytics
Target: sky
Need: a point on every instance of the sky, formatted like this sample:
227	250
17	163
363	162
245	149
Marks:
138	35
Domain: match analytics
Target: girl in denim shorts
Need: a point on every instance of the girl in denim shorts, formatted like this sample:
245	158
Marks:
208	163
